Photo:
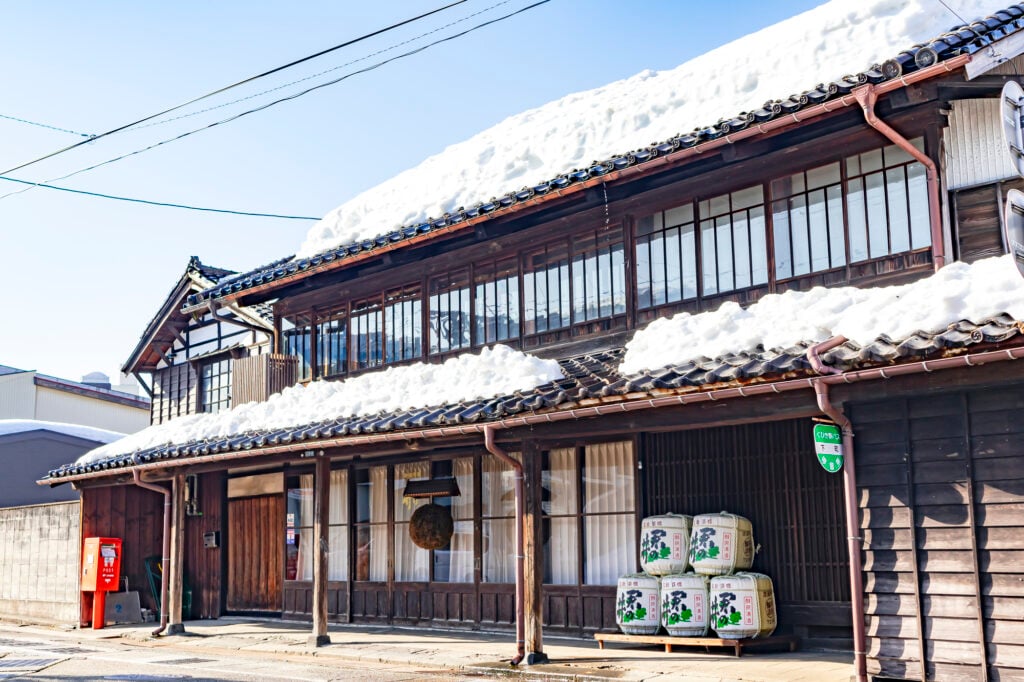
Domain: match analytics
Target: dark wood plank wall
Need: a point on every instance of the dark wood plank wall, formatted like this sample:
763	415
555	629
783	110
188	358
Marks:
204	566
941	488
136	516
769	474
257	377
255	544
979	223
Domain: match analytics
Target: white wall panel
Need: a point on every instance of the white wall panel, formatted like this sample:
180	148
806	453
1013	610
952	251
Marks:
975	154
61	406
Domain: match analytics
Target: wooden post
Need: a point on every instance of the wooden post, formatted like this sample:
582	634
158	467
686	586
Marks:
533	550
176	572
321	519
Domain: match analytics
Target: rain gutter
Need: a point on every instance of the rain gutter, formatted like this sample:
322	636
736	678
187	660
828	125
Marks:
517	466
670	159
164	588
867	96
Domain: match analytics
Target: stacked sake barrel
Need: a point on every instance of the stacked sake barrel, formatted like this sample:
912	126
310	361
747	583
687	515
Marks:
742	604
664	548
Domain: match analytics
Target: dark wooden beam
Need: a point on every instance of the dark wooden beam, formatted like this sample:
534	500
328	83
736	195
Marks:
177	569
533	551
321	519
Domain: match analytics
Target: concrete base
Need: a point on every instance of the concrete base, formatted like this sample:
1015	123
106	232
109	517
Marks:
536	658
318	640
175	629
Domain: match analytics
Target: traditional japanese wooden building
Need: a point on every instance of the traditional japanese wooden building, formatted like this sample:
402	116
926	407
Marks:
877	178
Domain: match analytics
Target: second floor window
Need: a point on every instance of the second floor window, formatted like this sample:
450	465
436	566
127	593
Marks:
367	335
666	257
807	216
332	348
449	310
732	233
215	384
496	301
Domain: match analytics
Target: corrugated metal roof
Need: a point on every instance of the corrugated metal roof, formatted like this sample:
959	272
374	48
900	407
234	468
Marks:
594	377
961	40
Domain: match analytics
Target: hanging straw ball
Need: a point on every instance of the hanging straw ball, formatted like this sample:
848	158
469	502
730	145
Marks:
431	526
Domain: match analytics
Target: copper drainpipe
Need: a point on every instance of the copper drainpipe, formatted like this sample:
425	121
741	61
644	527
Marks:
854	539
495	450
137	476
867	96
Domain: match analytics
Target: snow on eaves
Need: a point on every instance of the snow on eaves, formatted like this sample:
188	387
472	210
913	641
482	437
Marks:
960	291
827	42
15	426
493	372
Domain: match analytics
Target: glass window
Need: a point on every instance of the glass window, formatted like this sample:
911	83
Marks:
403	324
371	523
332	346
449	312
560	507
496	301
454	562
367	334
215	378
411	562
609	520
296	341
598	276
807	217
887	203
733	247
497	497
299	528
546	289
666	257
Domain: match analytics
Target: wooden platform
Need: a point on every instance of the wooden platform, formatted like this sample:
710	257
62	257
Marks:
737	645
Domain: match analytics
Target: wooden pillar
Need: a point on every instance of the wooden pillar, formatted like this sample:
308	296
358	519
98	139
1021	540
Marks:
321	519
177	568
533	551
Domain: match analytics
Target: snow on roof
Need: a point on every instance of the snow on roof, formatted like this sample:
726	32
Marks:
957	292
13	426
819	45
493	372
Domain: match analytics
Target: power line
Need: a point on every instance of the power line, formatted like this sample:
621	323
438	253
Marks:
288	98
322	73
166	204
235	85
43	125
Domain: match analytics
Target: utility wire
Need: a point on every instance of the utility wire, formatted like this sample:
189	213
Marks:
322	73
157	203
235	85
43	125
286	99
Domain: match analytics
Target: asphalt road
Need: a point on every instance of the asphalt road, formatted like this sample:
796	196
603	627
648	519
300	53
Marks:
60	656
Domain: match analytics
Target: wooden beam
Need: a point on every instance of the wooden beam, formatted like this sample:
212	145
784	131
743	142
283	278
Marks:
321	519
533	550
177	569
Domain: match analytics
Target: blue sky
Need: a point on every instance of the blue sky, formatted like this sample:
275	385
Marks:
81	277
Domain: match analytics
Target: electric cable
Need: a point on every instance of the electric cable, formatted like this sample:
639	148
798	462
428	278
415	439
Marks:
43	125
235	85
283	99
166	204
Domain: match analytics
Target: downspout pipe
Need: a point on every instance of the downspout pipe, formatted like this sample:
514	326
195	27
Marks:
853	534
517	467
137	476
867	96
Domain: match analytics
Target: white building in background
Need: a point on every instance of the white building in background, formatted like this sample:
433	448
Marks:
27	394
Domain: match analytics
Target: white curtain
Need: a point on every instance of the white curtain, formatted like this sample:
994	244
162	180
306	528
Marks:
411	562
559	498
379	519
337	557
461	555
609	540
304	528
498	500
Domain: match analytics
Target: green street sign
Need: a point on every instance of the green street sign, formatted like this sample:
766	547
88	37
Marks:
828	444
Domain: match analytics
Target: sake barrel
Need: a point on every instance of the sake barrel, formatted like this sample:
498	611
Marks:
637	605
684	604
721	543
743	605
665	544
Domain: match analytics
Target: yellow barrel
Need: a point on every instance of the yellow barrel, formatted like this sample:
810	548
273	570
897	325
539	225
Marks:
743	606
721	543
637	608
685	609
665	544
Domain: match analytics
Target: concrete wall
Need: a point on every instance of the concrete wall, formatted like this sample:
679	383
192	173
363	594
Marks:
70	408
39	557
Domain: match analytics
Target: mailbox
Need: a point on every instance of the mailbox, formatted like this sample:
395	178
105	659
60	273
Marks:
101	573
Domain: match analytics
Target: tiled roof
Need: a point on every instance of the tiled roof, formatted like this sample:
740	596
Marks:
962	40
594	378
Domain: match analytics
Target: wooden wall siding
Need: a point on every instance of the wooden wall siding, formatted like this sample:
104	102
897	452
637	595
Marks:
979	222
175	393
204	566
298	601
255	553
371	603
136	516
257	377
578	610
941	488
769	474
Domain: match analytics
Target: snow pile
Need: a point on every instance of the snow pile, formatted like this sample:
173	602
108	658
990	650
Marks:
494	372
835	39
13	426
956	292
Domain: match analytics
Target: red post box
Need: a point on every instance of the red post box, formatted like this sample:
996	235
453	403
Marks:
101	573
